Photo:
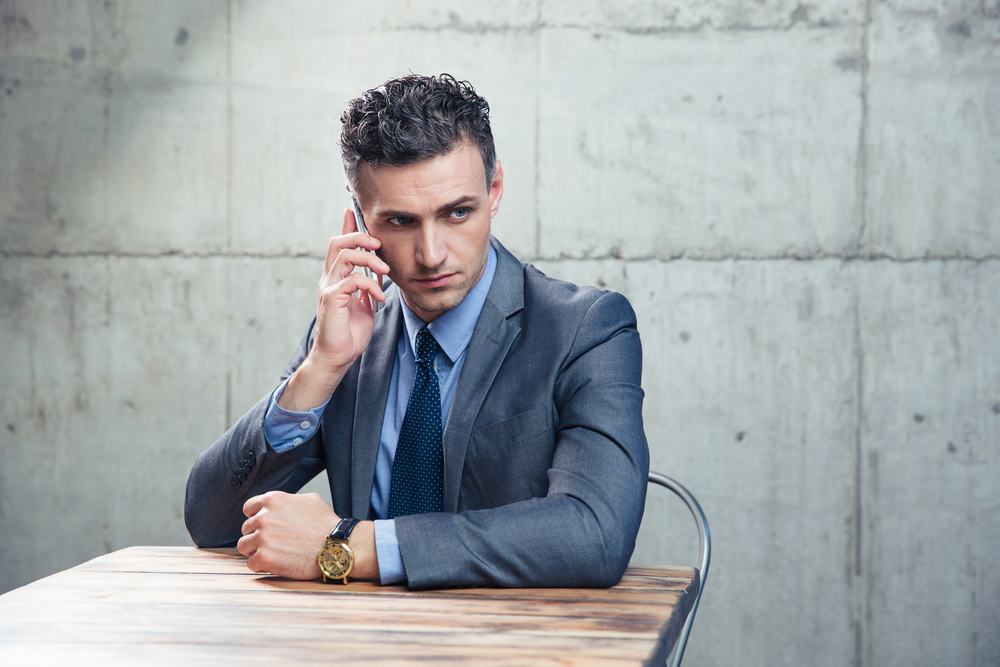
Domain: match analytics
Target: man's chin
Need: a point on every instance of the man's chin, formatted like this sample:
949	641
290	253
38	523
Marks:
435	302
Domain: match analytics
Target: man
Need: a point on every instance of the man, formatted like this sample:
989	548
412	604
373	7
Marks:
483	427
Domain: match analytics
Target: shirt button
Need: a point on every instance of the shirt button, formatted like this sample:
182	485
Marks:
297	441
304	425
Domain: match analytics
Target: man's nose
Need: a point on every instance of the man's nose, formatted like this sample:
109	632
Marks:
431	250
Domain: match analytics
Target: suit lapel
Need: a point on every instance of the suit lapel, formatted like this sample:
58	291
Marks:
491	340
369	408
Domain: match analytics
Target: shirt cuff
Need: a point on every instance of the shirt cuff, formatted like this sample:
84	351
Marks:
390	560
285	429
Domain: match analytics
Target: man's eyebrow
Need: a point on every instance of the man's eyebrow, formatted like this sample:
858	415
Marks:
467	199
464	200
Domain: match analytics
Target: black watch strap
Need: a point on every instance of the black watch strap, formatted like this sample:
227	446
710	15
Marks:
343	529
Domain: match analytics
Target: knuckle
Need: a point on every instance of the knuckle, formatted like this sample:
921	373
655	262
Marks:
246	546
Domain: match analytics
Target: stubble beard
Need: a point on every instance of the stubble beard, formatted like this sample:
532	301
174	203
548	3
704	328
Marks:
438	300
441	299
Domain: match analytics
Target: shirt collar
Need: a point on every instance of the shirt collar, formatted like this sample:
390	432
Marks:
453	328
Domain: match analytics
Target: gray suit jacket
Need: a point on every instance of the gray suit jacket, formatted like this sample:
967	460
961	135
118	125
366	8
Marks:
544	452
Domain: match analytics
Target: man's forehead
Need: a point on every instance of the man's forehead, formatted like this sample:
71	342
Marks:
459	172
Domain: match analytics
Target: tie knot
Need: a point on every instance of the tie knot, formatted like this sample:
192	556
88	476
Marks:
427	347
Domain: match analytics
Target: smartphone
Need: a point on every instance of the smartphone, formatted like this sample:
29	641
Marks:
364	230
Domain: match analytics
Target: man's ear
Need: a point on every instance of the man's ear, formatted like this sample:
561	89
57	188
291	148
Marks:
496	190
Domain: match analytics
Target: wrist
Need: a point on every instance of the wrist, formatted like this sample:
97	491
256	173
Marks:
363	546
311	386
358	561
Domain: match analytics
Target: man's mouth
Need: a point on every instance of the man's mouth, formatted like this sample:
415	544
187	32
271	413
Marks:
435	281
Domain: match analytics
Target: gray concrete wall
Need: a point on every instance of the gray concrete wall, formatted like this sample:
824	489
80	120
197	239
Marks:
802	202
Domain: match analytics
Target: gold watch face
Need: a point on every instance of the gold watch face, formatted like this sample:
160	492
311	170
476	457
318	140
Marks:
336	560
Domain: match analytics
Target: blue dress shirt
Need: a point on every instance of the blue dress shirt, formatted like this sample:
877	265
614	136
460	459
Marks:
452	330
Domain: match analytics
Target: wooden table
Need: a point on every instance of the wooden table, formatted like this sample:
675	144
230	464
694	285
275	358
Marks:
181	605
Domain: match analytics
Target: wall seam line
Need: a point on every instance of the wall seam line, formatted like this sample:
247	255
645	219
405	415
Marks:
862	175
862	603
870	258
229	209
538	125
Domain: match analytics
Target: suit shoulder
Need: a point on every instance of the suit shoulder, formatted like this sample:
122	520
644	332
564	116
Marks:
569	300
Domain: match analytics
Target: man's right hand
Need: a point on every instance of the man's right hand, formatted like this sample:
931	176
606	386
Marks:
343	321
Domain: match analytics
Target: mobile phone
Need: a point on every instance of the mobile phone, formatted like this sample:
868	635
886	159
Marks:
364	230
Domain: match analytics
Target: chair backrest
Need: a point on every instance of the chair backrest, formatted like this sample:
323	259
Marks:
705	541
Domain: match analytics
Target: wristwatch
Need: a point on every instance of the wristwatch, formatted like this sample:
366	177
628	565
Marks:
336	560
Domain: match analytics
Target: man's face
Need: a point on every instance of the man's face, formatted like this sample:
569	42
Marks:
433	219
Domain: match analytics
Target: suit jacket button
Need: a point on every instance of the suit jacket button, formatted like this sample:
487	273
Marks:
252	459
242	475
236	481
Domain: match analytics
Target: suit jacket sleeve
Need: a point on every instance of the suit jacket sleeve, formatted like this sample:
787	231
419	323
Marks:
213	503
582	533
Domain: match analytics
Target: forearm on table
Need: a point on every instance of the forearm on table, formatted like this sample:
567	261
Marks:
544	542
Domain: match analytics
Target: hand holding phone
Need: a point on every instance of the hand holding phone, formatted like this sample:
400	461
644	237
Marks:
359	219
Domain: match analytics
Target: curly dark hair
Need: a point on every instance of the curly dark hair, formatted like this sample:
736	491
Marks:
414	118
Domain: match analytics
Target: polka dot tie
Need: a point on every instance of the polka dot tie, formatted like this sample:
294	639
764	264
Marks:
418	468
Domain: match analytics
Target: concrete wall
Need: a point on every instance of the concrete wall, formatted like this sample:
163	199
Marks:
802	202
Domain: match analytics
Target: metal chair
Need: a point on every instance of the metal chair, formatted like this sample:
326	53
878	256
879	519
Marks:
705	541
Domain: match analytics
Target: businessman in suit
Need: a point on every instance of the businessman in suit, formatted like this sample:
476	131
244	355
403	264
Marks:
482	427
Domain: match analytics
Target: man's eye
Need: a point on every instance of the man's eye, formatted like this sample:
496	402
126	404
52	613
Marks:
398	221
460	213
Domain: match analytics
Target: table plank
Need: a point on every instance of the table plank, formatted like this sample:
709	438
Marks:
173	604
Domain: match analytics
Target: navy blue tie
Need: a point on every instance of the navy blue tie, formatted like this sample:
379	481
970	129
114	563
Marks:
418	468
